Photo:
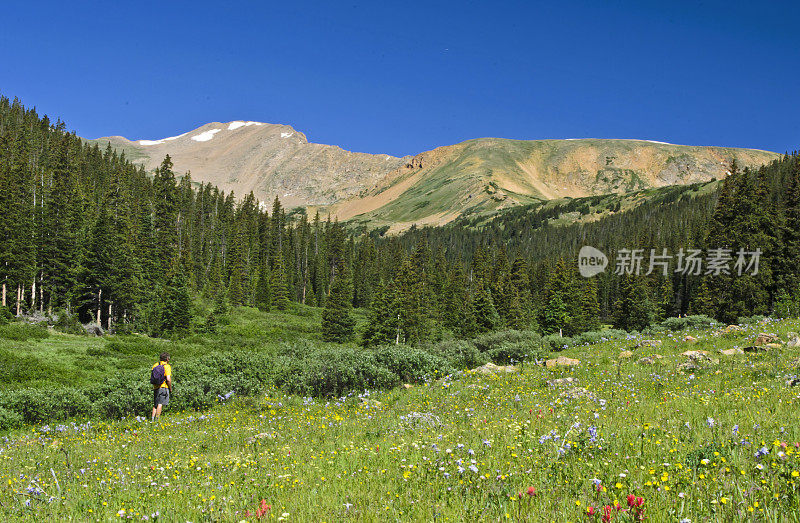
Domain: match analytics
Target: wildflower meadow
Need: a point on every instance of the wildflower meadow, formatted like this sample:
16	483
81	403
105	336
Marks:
615	437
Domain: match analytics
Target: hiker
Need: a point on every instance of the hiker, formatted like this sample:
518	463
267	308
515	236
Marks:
161	378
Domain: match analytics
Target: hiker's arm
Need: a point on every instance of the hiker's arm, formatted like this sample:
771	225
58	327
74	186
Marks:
169	383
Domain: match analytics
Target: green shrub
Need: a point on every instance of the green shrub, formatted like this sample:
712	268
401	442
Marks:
554	342
410	364
5	315
592	337
513	353
33	405
697	321
121	395
128	345
68	324
333	372
40	405
749	320
23	332
461	354
9	419
486	342
22	369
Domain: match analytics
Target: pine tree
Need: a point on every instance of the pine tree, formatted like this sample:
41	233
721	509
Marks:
278	287
702	302
165	214
414	307
590	308
555	315
503	293
176	314
237	289
338	324
383	319
562	297
263	296
520	280
486	317
635	308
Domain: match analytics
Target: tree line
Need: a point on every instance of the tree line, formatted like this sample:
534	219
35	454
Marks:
86	231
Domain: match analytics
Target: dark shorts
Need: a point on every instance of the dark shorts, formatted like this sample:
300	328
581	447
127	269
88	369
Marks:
160	396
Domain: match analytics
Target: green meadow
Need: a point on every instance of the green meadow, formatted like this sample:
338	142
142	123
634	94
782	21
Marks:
628	437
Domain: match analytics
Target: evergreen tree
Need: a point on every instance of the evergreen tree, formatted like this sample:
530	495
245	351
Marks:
278	287
165	215
383	319
338	324
590	308
634	309
176	308
263	296
415	319
702	302
486	317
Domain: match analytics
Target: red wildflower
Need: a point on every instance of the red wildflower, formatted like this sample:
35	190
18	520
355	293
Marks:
531	491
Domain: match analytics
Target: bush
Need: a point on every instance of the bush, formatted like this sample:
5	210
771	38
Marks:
513	353
697	321
554	342
33	405
122	395
591	337
333	372
750	320
460	354
487	342
22	369
9	420
5	315
410	364
69	324
23	332
129	345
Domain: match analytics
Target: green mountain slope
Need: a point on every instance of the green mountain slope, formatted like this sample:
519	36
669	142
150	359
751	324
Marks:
489	174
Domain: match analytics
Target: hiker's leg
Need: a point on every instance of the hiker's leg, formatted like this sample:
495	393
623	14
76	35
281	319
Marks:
158	410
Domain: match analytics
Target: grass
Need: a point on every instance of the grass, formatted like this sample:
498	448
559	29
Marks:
79	361
717	445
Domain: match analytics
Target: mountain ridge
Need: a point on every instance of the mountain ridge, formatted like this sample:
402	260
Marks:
432	187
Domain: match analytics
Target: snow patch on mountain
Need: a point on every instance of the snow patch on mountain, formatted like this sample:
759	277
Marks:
235	125
206	135
159	142
286	135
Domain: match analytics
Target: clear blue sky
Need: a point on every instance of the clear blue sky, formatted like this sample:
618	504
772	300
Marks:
407	77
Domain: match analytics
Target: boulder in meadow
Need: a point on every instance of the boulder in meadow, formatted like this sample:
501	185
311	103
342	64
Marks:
491	368
764	339
694	353
561	361
732	352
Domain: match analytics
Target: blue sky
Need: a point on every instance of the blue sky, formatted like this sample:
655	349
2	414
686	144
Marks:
405	77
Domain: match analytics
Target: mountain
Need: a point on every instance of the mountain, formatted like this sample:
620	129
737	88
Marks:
433	187
268	159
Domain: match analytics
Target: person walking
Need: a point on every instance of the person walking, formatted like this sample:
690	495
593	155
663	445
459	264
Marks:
161	379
